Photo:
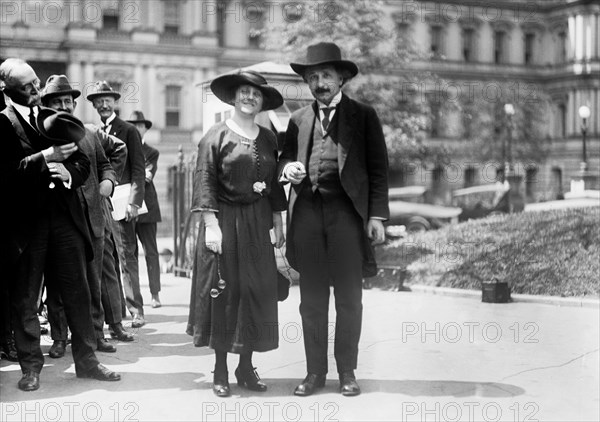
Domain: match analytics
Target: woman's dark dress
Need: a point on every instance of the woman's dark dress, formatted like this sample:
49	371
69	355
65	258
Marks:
243	318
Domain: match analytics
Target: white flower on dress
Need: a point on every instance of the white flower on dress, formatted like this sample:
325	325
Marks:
258	187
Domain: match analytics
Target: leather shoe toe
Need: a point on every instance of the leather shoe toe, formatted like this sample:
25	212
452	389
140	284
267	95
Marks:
138	321
118	332
310	384
30	381
57	350
100	373
105	346
348	385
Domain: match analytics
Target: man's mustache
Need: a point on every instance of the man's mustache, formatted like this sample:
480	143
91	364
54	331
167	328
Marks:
322	90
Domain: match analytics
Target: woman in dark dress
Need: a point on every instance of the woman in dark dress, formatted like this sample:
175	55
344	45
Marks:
233	306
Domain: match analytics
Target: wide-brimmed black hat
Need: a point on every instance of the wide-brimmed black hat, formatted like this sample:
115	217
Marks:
138	117
324	53
59	127
57	85
225	86
102	88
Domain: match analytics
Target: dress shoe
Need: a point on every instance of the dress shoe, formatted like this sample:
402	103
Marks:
221	384
105	346
348	385
117	331
8	350
138	321
100	373
57	350
30	381
310	385
156	301
249	379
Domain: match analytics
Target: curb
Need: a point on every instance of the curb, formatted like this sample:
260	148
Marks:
516	297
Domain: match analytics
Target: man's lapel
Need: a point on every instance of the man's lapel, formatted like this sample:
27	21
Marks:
17	126
345	130
307	124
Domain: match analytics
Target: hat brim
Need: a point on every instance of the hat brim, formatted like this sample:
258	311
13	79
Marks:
76	135
91	97
300	68
148	123
224	87
75	93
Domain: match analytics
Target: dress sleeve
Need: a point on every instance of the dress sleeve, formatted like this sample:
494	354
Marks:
205	186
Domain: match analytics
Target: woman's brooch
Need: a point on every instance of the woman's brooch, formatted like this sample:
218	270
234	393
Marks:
259	187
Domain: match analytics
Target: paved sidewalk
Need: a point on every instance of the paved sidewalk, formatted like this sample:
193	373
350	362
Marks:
423	357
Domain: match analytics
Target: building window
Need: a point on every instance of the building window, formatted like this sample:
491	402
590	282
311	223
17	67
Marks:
562	47
562	120
469	177
499	40
110	19
172	17
529	47
468	39
436	119
557	191
436	42
530	183
173	105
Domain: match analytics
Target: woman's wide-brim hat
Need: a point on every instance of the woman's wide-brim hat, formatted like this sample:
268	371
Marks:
225	87
138	117
101	89
324	53
59	127
58	85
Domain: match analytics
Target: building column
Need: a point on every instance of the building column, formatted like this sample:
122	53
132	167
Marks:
89	113
152	105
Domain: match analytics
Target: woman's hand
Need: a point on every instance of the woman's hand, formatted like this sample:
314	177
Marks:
278	230
213	236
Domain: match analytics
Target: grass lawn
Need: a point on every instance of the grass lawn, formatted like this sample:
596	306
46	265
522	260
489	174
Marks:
553	253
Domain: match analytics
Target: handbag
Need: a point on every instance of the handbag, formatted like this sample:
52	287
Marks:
284	281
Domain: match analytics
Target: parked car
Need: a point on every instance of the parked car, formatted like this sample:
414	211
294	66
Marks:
408	208
480	201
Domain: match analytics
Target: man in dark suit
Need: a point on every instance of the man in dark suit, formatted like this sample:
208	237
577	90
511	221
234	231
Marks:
145	226
98	146
335	156
40	170
104	101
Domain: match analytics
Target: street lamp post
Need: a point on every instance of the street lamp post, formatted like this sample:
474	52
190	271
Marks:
584	113
509	110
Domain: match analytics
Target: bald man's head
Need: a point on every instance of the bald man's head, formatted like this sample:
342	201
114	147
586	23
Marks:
19	82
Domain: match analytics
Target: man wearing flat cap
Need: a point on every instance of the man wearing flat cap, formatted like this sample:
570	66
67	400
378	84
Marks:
104	101
40	170
107	156
335	157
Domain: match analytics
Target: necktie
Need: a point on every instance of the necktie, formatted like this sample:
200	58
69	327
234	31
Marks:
32	118
104	128
326	113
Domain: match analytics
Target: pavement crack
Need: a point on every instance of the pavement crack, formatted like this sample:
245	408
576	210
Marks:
541	368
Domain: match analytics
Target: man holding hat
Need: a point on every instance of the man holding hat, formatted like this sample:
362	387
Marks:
145	226
40	170
104	101
335	157
97	145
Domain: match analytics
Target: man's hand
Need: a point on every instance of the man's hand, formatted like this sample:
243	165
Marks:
375	231
295	172
59	153
59	171
131	213
106	188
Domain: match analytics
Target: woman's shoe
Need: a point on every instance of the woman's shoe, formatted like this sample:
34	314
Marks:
221	385
250	380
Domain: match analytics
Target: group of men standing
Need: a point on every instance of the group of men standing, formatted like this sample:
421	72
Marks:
58	175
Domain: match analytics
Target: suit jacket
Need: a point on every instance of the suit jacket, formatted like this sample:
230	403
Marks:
25	182
150	197
134	169
362	162
97	145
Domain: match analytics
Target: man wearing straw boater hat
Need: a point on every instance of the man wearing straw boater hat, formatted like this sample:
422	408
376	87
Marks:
335	157
104	100
47	238
107	155
146	224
